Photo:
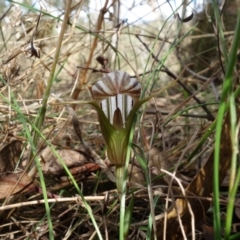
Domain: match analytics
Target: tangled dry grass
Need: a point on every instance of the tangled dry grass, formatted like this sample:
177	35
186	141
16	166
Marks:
168	132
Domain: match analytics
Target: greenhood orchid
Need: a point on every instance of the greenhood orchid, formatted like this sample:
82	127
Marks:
116	99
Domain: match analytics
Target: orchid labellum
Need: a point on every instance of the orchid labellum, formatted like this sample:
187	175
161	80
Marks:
116	99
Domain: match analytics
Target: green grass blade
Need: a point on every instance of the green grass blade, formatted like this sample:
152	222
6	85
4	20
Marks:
227	90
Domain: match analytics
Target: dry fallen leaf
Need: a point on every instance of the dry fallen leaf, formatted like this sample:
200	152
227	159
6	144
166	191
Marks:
50	163
208	232
12	183
237	209
9	155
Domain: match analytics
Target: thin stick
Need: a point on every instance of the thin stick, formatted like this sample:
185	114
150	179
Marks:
54	200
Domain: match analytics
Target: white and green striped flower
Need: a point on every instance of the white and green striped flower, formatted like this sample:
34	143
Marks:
116	99
116	90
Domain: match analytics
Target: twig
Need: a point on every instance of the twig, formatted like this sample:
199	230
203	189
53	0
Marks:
54	200
169	73
83	79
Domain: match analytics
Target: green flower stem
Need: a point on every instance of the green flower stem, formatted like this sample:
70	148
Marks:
122	231
119	174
